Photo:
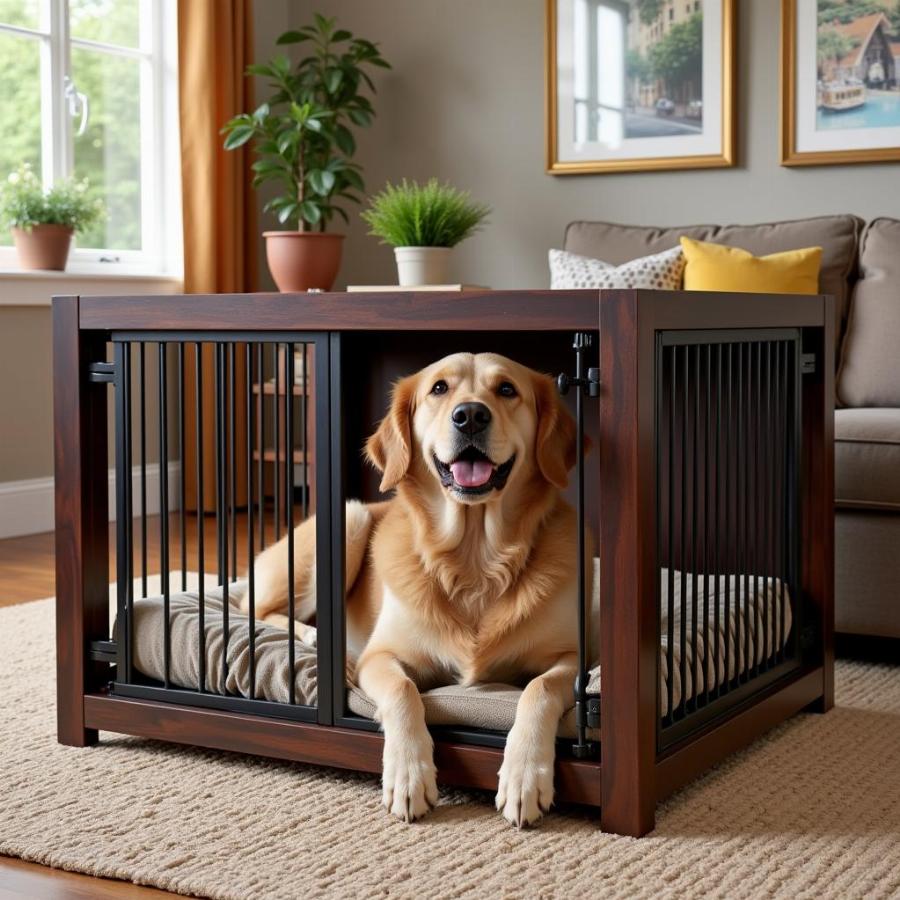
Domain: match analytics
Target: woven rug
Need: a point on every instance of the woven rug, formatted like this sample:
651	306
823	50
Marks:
812	810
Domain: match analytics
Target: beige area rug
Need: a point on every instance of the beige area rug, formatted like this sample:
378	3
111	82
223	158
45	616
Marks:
811	811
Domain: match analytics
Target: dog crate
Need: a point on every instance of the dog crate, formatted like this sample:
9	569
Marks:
709	489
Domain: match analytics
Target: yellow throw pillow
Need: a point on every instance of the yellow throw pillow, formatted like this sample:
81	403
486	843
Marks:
714	267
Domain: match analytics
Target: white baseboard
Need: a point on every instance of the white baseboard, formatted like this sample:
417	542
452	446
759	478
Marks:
26	507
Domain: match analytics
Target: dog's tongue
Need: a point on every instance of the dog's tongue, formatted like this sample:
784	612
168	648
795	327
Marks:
471	474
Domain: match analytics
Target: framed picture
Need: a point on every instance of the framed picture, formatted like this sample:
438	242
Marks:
637	85
840	81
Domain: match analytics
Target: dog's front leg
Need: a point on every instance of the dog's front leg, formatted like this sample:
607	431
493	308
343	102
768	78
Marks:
525	791
408	772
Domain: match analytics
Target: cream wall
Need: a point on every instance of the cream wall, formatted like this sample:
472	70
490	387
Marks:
464	102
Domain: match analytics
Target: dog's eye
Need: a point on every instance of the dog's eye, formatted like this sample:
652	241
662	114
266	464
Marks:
439	387
507	390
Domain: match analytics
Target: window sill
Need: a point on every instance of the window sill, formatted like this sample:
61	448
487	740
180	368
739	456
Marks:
20	287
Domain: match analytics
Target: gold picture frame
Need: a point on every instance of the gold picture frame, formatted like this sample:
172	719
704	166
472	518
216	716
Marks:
790	155
723	158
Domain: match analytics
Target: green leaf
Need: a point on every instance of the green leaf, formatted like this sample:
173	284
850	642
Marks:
341	35
292	37
261	112
260	69
345	140
281	66
361	117
269	165
238	137
321	181
324	25
353	178
379	61
313	125
286	140
300	113
310	211
333	79
290	211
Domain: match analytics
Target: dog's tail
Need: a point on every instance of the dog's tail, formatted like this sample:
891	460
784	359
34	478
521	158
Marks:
271	566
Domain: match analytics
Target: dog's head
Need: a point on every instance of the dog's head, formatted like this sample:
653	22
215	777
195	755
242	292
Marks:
472	424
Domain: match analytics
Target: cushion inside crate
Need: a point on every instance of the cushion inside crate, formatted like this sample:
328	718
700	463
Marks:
490	706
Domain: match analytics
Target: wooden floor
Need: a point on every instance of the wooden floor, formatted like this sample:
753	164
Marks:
27	573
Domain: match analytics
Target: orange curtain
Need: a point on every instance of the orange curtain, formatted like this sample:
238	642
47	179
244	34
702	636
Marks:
215	44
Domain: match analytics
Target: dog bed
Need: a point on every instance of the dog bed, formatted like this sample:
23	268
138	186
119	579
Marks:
490	706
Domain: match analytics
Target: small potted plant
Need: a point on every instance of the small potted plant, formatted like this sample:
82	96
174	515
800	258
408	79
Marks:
43	222
422	223
303	138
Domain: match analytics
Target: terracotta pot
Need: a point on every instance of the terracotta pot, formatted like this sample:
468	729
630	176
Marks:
300	260
44	247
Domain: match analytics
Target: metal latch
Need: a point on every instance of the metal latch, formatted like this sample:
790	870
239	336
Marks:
807	363
102	372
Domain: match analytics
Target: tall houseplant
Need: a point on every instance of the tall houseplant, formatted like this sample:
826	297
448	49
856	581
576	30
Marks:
423	223
303	138
43	222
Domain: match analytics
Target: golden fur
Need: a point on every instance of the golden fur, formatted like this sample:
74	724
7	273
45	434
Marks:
447	585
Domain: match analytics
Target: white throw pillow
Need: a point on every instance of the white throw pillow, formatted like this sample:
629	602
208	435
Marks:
662	271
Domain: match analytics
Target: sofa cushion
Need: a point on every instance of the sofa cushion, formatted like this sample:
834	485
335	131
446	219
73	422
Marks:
836	235
715	267
867	458
870	369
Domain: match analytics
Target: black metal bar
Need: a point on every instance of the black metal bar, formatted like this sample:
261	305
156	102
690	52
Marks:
233	464
277	442
289	507
164	508
758	486
182	469
782	506
717	526
201	558
123	474
221	500
143	416
730	557
768	520
582	747
695	504
251	567
794	531
739	467
331	655
670	650
304	434
682	541
707	515
747	506
261	443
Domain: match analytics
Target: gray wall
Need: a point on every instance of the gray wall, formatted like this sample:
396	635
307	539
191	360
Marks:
464	102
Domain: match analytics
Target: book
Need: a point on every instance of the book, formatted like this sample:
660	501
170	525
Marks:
391	288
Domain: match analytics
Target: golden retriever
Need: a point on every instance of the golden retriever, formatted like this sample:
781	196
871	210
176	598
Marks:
467	574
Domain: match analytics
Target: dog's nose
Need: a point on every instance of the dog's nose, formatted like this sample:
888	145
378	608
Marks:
471	418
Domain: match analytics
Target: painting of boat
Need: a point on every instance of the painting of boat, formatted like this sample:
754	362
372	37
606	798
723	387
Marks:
839	96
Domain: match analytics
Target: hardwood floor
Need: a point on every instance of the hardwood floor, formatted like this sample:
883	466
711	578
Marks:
27	573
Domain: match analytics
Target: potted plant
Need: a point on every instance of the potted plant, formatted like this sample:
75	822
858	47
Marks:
422	223
303	138
43	222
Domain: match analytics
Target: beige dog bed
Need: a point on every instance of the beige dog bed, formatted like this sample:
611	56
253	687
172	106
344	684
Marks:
481	706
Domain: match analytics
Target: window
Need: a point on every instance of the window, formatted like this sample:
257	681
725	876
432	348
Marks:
89	88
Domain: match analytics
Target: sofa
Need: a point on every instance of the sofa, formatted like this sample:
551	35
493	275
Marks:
861	269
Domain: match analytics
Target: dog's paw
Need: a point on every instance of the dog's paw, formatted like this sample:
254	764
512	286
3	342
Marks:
409	776
525	791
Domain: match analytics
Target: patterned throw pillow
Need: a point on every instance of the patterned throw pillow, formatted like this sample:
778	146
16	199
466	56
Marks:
661	271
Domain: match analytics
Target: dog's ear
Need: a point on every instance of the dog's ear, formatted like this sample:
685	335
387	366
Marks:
390	448
555	445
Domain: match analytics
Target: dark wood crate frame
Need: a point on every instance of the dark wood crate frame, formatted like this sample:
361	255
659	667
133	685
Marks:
632	775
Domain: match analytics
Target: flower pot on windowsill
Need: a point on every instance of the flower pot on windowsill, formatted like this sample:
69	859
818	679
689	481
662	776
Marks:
303	260
43	246
422	265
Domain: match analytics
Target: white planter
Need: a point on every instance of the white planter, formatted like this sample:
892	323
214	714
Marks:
422	265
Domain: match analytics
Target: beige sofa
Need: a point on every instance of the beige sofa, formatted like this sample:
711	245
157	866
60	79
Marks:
861	268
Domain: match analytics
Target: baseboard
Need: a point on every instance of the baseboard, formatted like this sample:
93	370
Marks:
26	507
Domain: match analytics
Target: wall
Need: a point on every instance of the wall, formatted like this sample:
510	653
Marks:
464	102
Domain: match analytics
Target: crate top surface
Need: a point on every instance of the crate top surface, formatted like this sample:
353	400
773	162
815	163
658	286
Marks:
507	310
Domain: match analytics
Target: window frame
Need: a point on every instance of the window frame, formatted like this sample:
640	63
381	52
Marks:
160	189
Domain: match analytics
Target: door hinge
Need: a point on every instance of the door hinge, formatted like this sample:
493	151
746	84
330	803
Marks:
807	363
102	372
103	651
